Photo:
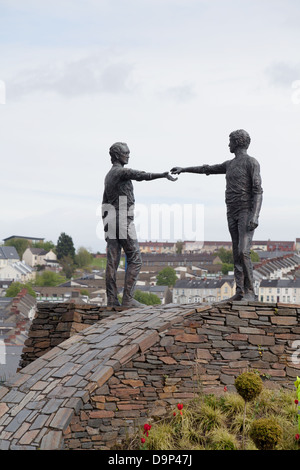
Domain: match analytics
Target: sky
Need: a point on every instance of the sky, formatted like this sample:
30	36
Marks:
172	79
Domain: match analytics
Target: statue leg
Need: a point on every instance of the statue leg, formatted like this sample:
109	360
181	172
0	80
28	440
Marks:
134	263
113	260
246	237
233	226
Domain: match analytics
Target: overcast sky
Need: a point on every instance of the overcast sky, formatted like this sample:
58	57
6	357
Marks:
172	78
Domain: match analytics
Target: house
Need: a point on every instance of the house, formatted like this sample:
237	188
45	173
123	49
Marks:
281	245
280	290
16	315
259	245
277	267
39	257
184	259
18	272
203	290
157	247
213	246
4	285
8	255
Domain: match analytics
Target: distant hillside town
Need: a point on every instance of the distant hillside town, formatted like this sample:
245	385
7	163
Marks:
33	270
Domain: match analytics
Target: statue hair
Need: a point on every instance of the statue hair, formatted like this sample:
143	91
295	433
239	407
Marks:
115	150
241	138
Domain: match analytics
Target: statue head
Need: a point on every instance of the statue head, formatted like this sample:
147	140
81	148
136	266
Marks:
118	151
239	139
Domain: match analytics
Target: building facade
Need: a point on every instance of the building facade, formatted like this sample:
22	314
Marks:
281	290
202	291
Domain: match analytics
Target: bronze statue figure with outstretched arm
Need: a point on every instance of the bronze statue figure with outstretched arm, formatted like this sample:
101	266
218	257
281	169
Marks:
118	218
243	199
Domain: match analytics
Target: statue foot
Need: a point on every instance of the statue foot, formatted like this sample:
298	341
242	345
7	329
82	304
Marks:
235	298
249	296
132	303
113	303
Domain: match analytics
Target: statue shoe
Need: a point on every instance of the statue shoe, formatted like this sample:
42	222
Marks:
235	298
114	303
250	296
132	304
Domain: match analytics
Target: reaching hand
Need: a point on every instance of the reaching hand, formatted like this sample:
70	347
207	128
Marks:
169	177
253	223
176	170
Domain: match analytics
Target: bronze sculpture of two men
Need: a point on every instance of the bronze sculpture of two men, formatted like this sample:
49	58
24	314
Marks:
243	201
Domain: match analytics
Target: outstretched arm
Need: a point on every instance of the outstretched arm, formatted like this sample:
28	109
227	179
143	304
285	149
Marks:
145	176
154	176
204	169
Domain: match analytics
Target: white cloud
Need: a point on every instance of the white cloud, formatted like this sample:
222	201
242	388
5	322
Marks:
84	76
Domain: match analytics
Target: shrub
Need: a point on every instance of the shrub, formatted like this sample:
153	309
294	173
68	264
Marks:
248	385
221	439
210	418
265	433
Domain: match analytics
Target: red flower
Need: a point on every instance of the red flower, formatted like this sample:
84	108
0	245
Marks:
180	406
225	389
174	414
143	440
147	428
297	436
296	402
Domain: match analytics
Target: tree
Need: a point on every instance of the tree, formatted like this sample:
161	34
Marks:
179	247
147	298
49	278
47	245
83	257
16	287
226	267
254	257
226	256
20	244
68	266
84	292
166	277
65	246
